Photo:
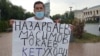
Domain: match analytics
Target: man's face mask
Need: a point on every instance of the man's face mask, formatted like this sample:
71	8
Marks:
39	15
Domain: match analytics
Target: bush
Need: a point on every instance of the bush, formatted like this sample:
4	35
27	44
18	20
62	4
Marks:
78	28
4	25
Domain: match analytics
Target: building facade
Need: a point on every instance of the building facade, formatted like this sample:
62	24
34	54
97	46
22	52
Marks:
86	14
92	13
78	14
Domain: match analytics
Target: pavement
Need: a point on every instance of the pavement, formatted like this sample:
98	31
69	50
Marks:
5	44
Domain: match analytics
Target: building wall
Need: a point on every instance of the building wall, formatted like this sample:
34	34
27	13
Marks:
78	14
92	13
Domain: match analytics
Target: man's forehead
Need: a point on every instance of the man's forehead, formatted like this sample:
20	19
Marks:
39	5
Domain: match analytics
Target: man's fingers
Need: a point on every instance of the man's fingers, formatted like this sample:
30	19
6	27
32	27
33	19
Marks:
11	22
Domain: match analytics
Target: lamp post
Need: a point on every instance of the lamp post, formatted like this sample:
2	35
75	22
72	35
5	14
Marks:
70	8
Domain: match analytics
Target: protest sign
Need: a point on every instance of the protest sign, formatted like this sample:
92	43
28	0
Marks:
40	39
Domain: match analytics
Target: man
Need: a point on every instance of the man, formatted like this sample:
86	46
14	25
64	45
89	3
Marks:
39	11
57	20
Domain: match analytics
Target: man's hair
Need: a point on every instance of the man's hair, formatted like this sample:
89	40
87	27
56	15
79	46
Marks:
39	2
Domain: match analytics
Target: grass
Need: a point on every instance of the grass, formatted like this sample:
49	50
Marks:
88	38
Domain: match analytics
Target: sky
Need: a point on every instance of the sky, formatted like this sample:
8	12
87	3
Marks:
58	6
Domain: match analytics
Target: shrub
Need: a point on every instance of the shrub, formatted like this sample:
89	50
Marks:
3	26
78	28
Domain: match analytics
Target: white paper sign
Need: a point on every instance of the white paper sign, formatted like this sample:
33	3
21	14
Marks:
40	39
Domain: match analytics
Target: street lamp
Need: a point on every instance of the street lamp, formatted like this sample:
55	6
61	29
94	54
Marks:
70	9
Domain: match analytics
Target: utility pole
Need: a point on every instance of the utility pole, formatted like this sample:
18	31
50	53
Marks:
70	11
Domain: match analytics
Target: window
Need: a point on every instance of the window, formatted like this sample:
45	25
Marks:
97	12
88	13
94	12
91	12
84	13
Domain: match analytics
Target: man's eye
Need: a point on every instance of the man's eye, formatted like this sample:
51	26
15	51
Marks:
41	8
37	8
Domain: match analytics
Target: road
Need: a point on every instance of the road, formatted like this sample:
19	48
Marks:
5	44
75	49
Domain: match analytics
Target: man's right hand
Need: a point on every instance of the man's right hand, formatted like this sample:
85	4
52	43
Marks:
11	21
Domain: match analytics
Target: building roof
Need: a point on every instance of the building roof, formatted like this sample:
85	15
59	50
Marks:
94	7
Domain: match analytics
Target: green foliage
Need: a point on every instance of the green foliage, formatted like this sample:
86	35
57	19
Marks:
88	38
10	11
56	16
17	12
78	28
3	26
28	14
71	15
5	7
67	17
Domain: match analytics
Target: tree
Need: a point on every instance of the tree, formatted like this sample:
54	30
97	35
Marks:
8	10
17	12
71	15
66	15
56	16
5	7
78	28
28	14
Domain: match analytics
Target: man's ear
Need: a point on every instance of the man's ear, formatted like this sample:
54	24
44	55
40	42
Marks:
34	10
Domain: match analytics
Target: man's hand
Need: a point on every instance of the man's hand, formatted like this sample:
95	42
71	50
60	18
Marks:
11	21
72	27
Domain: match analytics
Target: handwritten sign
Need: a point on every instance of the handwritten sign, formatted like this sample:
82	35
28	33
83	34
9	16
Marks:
40	39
